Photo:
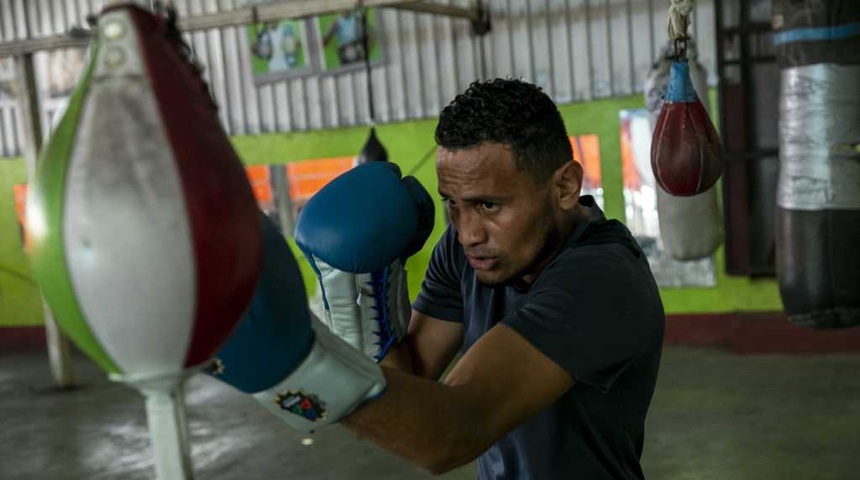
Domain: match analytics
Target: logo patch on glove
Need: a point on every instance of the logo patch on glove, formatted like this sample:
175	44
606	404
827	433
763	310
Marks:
307	406
216	369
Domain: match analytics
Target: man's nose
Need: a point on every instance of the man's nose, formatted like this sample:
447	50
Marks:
470	229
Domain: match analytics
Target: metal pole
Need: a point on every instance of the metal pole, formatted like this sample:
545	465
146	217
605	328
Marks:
166	418
571	56
281	184
610	60
551	73
57	343
589	53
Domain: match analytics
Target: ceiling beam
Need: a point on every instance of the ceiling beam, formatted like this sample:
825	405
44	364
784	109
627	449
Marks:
244	16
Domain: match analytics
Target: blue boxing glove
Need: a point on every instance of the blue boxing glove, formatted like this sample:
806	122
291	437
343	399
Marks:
291	363
357	233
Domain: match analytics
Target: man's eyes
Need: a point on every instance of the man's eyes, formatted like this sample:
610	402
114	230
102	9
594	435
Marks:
489	206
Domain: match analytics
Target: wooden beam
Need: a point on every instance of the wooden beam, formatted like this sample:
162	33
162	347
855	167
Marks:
439	9
17	48
243	16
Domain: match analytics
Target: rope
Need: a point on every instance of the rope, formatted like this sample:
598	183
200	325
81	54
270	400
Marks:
678	23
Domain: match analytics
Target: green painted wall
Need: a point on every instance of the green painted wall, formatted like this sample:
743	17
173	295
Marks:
406	144
19	300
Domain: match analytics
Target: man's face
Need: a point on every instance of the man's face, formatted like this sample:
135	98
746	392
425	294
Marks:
503	217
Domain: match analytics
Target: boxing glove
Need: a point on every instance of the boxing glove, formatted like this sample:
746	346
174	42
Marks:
357	233
294	366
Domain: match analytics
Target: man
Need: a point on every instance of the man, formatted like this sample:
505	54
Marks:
553	307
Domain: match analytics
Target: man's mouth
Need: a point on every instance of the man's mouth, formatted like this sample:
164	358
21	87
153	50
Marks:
479	262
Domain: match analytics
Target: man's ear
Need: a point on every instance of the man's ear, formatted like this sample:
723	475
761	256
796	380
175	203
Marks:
567	181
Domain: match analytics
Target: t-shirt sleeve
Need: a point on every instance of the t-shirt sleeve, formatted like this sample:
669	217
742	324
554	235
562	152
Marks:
592	314
440	295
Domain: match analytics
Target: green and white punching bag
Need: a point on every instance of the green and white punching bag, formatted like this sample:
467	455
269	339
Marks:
144	233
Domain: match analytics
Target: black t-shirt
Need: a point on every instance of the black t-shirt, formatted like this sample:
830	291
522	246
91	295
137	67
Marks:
596	311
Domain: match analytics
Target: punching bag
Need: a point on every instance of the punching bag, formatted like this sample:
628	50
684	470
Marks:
372	151
685	147
818	192
690	227
144	233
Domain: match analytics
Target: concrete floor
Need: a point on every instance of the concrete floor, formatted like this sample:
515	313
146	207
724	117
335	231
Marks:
715	416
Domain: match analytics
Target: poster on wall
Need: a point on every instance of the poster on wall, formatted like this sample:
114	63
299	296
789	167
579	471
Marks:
307	177
279	50
64	69
586	151
340	38
7	78
640	207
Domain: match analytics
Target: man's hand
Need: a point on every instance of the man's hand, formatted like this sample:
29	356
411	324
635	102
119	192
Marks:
357	233
297	370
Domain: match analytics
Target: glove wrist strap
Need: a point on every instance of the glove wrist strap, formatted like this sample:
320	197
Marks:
369	311
332	381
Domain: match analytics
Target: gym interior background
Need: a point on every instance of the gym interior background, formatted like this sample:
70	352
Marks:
743	393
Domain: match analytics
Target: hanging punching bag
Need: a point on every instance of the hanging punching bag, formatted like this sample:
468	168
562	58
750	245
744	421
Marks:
685	147
818	195
372	151
144	232
690	227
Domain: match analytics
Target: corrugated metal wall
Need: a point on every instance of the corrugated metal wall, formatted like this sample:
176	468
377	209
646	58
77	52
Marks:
577	50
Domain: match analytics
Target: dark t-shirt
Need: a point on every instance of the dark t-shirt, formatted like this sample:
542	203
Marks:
595	310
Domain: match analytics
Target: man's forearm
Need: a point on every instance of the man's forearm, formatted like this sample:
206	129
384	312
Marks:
436	426
399	358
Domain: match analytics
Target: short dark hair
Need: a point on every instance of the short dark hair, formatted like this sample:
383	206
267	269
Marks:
513	113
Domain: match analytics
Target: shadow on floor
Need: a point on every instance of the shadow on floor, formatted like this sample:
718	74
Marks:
715	415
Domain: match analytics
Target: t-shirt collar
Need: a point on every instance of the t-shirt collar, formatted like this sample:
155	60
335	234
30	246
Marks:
593	214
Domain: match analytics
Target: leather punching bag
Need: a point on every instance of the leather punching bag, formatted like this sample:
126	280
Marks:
372	151
818	195
685	147
690	227
145	237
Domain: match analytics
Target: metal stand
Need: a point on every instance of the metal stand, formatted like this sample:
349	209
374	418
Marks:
166	417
